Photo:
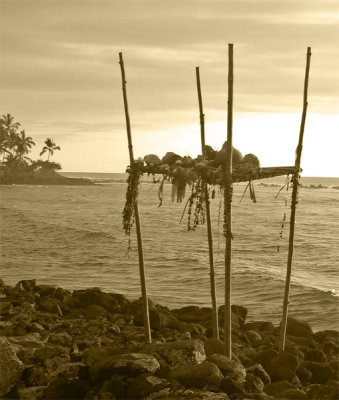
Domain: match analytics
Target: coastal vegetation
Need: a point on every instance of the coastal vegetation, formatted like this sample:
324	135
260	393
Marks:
16	167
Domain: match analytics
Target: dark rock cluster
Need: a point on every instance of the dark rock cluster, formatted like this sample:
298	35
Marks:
88	344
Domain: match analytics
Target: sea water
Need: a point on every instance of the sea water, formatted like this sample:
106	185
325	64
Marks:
72	236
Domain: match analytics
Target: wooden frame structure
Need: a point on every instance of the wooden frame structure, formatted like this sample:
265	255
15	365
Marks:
224	175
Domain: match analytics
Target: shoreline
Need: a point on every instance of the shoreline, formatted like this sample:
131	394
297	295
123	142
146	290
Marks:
89	344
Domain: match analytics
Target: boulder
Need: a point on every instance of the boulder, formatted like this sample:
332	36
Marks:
260	326
315	355
329	391
228	366
321	372
304	375
144	385
278	366
193	314
184	352
254	384
297	327
258	370
160	317
32	393
254	338
198	375
94	296
64	389
275	388
294	394
327	335
130	364
231	387
214	346
10	366
50	305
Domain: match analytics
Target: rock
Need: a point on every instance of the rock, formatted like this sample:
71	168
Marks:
228	366
144	385
193	314
298	327
265	358
64	389
315	355
329	391
50	305
130	364
294	394
27	285
71	370
258	370
10	366
214	346
254	338
51	350
46	290
321	372
254	383
183	352
327	335
275	388
198	375
259	326
95	296
92	311
192	394
160	317
35	375
231	387
32	393
60	338
278	366
304	375
6	308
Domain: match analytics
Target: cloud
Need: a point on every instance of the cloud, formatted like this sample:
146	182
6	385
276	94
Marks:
60	71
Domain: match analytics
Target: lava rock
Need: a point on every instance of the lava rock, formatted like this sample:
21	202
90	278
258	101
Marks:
228	366
10	366
198	375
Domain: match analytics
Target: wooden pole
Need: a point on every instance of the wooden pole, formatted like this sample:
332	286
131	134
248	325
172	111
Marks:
215	322
293	207
228	190
148	338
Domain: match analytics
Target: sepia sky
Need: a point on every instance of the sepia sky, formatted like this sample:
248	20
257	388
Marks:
60	77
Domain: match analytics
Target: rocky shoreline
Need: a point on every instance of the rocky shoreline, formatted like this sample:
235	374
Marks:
88	344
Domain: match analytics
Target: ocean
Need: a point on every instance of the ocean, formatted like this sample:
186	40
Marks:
72	236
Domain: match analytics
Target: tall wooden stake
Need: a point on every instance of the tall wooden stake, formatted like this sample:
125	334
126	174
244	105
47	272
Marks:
208	218
148	338
293	207
228	191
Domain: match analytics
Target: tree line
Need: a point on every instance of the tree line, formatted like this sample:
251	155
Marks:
15	146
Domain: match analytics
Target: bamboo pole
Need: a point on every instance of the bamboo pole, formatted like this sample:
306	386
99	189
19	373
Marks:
228	209
293	207
147	327
215	322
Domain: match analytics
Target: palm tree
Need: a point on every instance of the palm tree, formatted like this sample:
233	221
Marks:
8	133
24	144
50	147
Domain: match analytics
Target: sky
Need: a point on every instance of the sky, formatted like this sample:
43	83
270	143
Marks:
60	78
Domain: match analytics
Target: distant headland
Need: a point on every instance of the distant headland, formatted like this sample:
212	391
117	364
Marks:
17	168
